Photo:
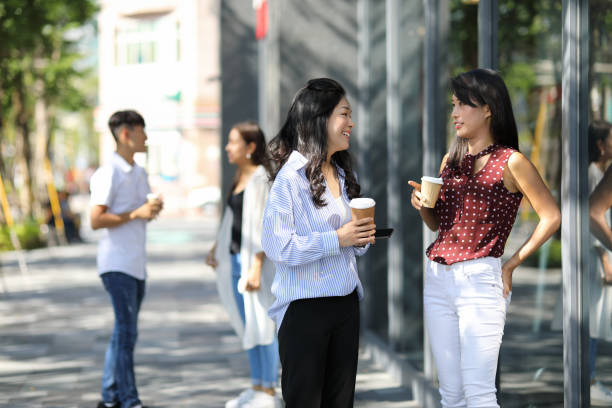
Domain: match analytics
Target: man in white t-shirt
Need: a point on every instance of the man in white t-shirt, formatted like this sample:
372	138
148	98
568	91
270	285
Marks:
119	204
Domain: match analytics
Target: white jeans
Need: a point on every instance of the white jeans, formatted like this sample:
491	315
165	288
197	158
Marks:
465	312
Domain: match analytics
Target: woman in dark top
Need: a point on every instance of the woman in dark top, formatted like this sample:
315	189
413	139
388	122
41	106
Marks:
467	290
244	274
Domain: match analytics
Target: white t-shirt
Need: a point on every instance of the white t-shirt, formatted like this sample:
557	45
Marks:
122	188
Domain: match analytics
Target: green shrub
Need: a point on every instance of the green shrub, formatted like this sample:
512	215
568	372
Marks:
28	233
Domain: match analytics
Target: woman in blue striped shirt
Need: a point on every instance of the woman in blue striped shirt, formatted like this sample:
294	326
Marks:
309	235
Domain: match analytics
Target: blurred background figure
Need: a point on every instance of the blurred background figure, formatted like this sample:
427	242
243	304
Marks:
71	220
244	274
120	205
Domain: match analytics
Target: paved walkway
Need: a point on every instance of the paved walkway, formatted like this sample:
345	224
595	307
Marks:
56	320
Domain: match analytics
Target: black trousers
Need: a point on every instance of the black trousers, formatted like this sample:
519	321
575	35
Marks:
318	345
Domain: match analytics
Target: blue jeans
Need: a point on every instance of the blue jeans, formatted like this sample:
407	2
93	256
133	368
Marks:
118	381
592	355
263	360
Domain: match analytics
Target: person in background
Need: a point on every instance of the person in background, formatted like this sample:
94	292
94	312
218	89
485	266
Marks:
119	205
467	289
244	275
600	273
312	239
72	222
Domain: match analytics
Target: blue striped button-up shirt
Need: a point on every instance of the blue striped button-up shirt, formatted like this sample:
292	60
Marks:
302	242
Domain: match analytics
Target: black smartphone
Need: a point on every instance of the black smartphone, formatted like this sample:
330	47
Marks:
383	232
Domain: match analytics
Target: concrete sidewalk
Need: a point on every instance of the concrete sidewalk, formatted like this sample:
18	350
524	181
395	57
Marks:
55	323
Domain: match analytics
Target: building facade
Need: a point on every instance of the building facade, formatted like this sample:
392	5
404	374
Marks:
161	58
395	59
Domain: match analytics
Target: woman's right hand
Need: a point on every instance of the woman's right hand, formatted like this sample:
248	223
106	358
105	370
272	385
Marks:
416	197
210	258
357	232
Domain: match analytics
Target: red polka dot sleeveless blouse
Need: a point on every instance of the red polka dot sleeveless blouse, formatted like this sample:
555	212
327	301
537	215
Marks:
476	211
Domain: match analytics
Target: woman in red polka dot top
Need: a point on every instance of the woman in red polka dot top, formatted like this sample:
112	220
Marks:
467	290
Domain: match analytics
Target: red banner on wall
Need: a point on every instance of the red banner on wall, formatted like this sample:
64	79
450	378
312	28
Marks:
261	18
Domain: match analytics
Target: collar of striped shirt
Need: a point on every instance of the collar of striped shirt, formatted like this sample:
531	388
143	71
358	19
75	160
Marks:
298	161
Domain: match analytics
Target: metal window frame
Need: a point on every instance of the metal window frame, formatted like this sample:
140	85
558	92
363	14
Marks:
488	21
574	201
396	277
437	24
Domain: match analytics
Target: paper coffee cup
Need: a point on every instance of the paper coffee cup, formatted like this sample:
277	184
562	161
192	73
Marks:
430	188
152	197
362	208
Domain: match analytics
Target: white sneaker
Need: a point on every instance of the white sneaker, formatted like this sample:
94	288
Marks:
600	395
244	397
263	400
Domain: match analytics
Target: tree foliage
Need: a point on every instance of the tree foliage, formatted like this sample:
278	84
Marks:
39	74
529	56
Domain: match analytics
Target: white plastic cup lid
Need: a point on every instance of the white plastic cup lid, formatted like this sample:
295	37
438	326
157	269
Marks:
362	203
435	180
152	196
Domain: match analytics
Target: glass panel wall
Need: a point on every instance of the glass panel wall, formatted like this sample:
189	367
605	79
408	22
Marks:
374	266
597	280
462	50
531	357
463	37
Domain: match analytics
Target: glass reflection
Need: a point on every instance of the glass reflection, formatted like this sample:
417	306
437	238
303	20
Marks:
530	62
597	284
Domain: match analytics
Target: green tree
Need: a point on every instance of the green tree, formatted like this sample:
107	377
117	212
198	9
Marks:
38	71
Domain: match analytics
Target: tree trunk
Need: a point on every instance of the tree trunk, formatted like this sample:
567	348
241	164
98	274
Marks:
2	135
23	159
41	143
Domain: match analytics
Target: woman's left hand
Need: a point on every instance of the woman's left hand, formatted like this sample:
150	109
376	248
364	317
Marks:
507	271
253	279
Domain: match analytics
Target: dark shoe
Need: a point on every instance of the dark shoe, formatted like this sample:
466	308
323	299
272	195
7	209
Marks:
101	404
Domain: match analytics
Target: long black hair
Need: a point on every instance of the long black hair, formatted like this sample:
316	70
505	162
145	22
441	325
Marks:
480	87
599	131
305	130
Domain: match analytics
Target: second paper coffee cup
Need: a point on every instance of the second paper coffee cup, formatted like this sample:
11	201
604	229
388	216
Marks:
430	188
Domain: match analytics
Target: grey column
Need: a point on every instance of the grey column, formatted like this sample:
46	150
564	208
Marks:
364	133
434	120
395	266
239	76
270	115
574	201
487	34
262	96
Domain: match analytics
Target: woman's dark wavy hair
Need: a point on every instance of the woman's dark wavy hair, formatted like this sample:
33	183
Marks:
481	87
305	130
599	131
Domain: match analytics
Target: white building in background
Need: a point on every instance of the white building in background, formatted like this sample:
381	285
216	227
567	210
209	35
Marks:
161	58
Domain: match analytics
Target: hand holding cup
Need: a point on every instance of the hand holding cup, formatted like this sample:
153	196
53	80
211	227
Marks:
360	230
155	202
357	232
416	196
425	194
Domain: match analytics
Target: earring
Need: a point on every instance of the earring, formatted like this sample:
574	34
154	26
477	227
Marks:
248	156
